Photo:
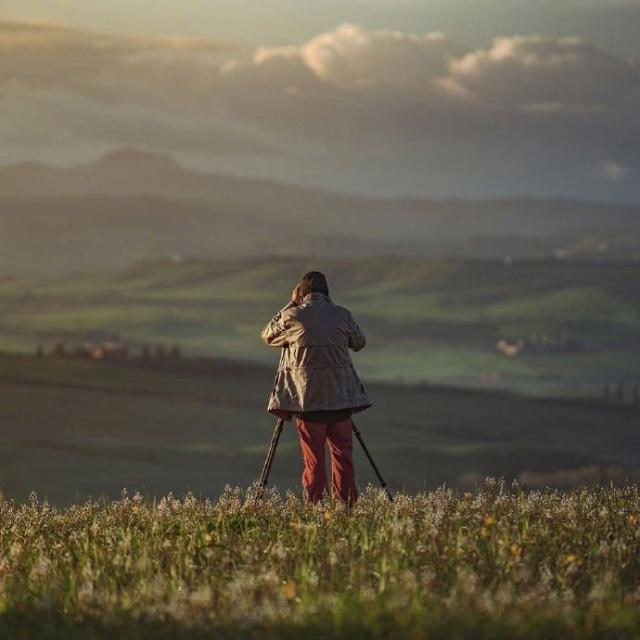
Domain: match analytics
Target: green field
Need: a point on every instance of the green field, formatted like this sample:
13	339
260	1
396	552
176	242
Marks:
495	563
90	548
73	429
426	320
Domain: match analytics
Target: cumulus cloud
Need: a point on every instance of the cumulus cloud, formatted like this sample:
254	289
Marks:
372	99
534	70
534	73
424	81
526	113
347	86
518	70
353	57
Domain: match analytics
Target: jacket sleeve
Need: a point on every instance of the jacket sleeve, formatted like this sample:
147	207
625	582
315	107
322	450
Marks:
356	337
275	333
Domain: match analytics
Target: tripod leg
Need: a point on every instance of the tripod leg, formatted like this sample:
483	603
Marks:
266	468
373	464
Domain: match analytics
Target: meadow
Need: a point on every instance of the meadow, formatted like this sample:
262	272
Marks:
96	551
499	562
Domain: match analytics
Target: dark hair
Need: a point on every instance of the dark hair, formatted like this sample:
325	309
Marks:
314	281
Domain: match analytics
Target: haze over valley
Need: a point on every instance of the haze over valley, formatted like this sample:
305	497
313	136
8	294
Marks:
132	205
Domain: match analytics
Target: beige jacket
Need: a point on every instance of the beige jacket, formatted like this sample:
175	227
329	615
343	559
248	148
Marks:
315	370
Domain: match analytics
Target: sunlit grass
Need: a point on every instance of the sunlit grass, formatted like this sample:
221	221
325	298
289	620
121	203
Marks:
497	561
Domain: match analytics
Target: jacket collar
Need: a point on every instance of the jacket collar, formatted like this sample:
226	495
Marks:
314	296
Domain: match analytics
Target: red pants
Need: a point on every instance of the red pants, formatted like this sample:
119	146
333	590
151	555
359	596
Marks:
313	436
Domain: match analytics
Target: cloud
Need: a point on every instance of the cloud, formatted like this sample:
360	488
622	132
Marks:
396	73
532	73
350	56
526	113
533	70
353	103
346	86
106	66
352	59
62	86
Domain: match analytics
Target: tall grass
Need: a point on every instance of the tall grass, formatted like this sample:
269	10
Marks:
499	562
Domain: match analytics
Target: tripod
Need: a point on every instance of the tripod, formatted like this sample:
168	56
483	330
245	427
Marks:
266	467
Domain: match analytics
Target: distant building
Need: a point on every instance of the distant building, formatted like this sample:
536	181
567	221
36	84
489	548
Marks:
509	349
539	343
110	350
114	349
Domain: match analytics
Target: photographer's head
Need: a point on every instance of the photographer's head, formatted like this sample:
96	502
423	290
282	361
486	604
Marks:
313	282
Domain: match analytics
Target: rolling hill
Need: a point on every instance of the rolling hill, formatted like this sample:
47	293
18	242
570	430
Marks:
76	428
433	320
132	205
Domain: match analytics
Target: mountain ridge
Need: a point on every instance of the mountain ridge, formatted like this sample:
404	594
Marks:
117	159
132	205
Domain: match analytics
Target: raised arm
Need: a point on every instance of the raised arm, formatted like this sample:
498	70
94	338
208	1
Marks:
275	333
356	337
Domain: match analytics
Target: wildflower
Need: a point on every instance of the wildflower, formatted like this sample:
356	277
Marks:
431	548
288	590
200	597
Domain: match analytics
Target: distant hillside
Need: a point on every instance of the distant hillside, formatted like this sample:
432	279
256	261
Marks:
433	320
77	428
132	205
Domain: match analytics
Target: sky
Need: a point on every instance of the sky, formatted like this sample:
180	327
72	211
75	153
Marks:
434	98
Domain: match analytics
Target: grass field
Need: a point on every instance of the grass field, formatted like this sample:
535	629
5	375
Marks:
495	563
426	320
73	429
97	552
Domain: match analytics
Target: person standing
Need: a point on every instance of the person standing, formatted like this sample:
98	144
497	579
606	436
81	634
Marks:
317	384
